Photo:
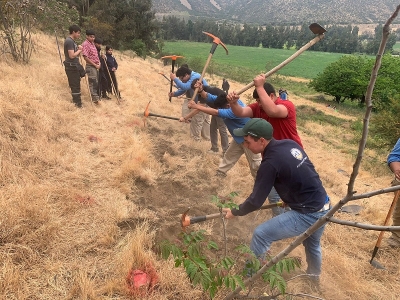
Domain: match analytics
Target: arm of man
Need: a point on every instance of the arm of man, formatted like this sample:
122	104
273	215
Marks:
393	160
90	62
72	54
268	105
205	109
395	167
238	110
262	186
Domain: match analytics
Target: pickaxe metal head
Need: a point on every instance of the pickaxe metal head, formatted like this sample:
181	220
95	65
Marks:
146	113
173	57
216	42
184	220
316	28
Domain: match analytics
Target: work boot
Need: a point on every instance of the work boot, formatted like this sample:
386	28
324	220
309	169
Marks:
212	151
76	99
105	96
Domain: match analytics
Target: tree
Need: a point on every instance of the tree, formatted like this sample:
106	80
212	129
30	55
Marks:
18	19
124	24
345	78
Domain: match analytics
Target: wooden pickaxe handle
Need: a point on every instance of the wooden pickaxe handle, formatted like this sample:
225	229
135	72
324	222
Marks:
161	116
147	113
288	60
173	58
389	214
186	220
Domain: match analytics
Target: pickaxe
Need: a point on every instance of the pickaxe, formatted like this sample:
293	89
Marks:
316	29
378	242
216	42
173	57
149	114
186	220
116	93
161	73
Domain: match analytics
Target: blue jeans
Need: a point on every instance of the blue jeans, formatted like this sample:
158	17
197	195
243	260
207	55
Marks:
287	225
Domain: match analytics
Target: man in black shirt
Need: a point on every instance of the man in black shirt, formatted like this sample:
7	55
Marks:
71	63
287	167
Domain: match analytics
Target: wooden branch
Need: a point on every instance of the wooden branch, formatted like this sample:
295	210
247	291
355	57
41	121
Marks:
368	100
364	226
373	193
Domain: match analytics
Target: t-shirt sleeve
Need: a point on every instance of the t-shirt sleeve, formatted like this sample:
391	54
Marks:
253	107
394	155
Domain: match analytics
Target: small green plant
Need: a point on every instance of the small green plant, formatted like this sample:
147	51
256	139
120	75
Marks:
205	266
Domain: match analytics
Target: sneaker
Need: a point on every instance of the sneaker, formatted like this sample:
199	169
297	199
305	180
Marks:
211	151
314	283
220	174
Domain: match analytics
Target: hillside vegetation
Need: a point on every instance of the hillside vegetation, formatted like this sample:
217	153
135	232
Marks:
87	194
282	11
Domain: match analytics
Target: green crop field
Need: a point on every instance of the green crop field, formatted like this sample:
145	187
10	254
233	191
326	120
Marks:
254	60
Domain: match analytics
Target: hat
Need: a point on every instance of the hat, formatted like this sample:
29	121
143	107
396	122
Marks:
90	32
256	127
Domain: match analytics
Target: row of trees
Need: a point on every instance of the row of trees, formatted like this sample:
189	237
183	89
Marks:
340	39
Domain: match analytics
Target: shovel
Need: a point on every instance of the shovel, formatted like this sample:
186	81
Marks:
373	262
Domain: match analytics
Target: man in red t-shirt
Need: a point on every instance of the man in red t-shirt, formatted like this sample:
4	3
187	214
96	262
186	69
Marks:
281	114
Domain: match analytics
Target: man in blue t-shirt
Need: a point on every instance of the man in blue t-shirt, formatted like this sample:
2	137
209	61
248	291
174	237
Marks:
287	167
393	162
200	123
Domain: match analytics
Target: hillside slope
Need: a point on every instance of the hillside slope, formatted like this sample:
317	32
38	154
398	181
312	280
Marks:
86	195
282	11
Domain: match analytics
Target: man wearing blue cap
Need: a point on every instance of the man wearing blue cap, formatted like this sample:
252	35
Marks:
287	167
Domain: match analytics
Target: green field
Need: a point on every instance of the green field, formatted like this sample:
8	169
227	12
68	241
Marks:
254	60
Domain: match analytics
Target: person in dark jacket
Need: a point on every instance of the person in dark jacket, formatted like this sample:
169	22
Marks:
112	66
103	82
288	168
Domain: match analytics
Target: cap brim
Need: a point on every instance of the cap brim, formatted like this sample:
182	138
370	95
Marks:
239	132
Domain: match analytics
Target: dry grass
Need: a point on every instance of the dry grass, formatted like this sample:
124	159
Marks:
87	194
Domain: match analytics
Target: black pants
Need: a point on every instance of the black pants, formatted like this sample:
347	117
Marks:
103	83
74	82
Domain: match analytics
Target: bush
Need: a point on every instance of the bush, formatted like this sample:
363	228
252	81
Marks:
139	47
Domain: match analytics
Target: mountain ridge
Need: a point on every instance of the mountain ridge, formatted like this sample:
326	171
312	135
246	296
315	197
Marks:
280	11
